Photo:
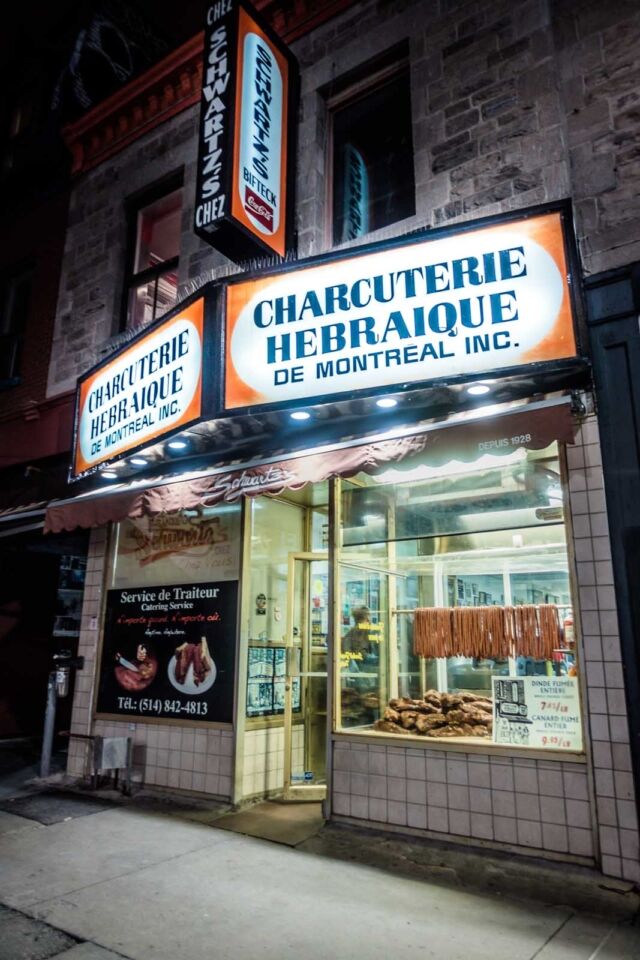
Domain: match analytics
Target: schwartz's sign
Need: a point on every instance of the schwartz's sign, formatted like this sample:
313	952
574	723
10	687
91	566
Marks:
243	194
468	303
151	387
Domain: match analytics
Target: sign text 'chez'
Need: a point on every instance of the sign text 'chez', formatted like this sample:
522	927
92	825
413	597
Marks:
469	303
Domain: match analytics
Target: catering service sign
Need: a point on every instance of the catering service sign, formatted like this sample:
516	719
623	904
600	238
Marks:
467	303
150	388
169	652
243	202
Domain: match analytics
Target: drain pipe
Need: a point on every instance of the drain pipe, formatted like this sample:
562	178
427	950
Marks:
49	724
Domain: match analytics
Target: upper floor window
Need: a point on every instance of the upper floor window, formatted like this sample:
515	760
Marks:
373	181
152	280
14	308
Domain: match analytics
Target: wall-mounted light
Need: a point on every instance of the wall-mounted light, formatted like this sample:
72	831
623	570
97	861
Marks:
138	462
386	403
108	475
300	415
178	444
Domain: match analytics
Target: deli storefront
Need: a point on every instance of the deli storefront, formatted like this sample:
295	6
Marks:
379	608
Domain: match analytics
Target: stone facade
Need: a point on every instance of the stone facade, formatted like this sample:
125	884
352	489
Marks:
513	105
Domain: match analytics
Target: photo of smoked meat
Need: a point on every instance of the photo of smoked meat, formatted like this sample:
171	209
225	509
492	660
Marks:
193	653
487	632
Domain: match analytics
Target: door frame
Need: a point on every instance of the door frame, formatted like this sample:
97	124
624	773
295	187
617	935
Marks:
291	791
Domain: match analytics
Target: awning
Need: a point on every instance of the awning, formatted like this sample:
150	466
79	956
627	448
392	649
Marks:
532	426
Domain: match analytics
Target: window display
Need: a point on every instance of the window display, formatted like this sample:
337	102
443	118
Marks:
454	580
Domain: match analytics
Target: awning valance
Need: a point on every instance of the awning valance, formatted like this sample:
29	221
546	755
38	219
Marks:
533	426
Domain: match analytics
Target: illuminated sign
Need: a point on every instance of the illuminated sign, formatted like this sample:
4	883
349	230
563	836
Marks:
151	387
469	303
243	194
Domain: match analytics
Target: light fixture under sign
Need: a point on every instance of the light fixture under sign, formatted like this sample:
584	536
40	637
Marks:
478	389
386	403
300	415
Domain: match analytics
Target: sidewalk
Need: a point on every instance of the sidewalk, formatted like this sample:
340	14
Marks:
137	879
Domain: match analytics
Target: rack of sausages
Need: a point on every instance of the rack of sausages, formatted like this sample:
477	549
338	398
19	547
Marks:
439	715
528	630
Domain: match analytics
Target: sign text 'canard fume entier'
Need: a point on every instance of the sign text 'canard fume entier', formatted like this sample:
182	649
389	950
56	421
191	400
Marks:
151	387
469	303
243	190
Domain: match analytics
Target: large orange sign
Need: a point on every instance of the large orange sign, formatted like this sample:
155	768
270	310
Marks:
151	387
470	303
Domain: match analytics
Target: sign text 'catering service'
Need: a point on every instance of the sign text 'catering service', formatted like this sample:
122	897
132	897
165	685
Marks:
242	174
169	652
477	301
150	388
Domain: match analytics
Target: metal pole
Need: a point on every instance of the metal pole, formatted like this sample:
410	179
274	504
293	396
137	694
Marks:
49	724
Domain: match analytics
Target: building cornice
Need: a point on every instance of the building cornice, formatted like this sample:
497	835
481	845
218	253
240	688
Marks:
173	85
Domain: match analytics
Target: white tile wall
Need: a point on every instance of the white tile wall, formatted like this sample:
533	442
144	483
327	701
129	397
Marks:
264	759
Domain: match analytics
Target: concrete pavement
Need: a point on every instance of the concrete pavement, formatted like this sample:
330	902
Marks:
146	885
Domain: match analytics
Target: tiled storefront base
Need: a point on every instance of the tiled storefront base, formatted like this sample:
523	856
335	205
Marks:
539	805
179	758
263	770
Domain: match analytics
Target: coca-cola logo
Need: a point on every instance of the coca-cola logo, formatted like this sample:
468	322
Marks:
258	208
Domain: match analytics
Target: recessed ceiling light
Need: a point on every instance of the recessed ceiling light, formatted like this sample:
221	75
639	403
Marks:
109	475
177	444
478	389
300	415
386	403
138	461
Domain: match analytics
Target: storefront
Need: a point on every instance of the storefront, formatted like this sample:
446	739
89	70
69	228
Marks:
388	621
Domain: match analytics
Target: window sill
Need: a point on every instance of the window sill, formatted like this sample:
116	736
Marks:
458	745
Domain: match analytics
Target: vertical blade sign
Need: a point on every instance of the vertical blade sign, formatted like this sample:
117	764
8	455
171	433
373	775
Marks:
244	194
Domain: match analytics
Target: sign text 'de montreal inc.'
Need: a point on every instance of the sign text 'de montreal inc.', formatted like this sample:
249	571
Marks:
150	388
473	302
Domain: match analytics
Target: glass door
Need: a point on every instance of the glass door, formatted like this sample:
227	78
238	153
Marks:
305	707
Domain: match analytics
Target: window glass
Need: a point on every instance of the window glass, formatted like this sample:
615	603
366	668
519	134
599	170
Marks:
192	546
13	319
158	231
152	287
373	178
456	605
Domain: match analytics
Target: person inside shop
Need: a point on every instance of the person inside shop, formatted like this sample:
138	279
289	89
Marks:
356	643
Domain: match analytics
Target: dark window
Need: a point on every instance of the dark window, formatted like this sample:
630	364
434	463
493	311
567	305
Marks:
152	285
16	297
373	179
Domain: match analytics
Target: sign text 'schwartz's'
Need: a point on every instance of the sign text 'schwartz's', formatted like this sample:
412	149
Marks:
212	199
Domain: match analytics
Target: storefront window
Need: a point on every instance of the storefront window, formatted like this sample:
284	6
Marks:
192	546
456	610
